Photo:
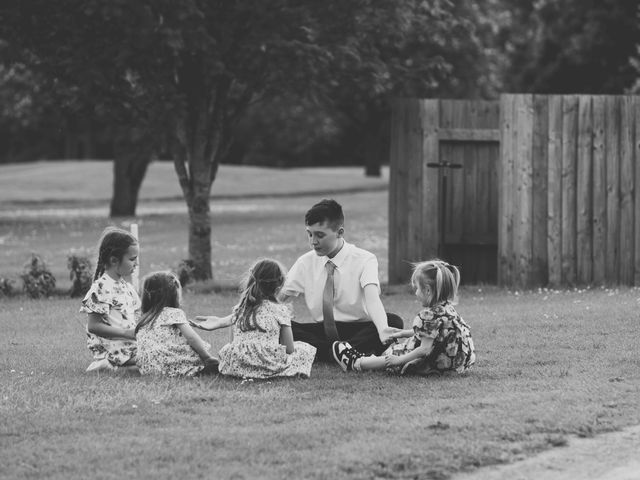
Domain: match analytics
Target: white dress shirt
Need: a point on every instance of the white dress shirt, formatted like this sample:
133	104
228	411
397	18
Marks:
355	268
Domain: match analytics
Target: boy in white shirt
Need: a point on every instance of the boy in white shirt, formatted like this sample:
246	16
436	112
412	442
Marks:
341	288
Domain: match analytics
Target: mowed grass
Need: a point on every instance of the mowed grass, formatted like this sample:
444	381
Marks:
90	182
68	209
550	365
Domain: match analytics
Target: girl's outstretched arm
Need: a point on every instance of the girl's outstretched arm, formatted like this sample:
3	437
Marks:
194	341
211	322
286	338
96	326
418	353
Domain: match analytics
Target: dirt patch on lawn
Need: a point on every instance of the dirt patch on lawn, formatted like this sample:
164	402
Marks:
610	456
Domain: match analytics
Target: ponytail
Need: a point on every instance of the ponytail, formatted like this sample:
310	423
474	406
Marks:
261	283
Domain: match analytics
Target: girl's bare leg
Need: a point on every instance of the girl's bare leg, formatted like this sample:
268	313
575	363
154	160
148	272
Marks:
371	363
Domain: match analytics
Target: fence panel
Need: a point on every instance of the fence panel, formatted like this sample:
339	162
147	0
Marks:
566	209
569	150
554	191
612	131
627	126
599	190
584	190
539	269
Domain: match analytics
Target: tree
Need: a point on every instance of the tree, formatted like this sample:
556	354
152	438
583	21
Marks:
182	72
431	50
574	46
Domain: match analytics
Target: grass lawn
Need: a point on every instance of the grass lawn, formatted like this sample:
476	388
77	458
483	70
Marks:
62	217
550	364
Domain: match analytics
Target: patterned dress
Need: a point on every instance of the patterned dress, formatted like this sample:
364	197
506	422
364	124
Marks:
163	350
256	354
117	302
452	348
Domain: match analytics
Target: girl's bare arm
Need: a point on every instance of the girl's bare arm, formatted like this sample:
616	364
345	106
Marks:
286	338
194	341
416	354
211	322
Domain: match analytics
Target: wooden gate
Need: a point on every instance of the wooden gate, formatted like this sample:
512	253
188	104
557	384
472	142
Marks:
446	204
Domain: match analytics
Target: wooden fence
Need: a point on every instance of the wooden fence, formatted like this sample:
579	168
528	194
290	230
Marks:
568	203
558	199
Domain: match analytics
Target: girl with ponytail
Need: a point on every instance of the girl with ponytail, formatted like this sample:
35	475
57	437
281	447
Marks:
112	303
262	345
439	339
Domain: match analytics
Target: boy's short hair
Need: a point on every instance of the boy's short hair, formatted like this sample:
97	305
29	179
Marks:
325	210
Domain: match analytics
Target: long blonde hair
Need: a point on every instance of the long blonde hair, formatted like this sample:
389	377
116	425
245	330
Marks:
262	282
442	278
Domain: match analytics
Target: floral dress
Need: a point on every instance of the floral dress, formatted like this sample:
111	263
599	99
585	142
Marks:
256	354
162	349
452	343
117	302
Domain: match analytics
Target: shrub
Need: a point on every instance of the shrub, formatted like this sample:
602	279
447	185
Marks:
186	272
38	279
80	274
6	287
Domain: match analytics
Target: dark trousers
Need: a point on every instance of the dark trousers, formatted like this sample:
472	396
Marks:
363	336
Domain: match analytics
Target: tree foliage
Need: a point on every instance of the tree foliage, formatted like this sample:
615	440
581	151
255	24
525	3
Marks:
181	73
573	46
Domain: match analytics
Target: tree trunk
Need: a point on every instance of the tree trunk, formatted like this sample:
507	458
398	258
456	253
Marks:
372	156
129	168
377	143
195	182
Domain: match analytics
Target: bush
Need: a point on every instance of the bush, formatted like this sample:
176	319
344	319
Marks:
80	274
6	287
38	279
186	272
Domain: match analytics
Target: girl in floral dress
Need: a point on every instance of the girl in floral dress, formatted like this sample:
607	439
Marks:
439	340
112	303
262	345
167	345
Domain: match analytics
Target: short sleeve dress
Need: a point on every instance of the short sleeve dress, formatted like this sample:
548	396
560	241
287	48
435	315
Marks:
453	348
256	354
117	302
163	350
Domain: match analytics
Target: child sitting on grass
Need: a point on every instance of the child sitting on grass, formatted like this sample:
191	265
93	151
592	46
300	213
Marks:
262	345
167	345
112	303
439	340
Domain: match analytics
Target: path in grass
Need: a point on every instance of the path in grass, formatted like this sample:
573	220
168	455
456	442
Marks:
610	456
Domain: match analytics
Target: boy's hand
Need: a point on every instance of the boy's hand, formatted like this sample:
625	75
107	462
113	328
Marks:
388	335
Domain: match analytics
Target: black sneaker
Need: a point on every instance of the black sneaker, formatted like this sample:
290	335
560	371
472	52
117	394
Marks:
345	355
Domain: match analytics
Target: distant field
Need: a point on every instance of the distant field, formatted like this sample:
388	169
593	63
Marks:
91	181
64	214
